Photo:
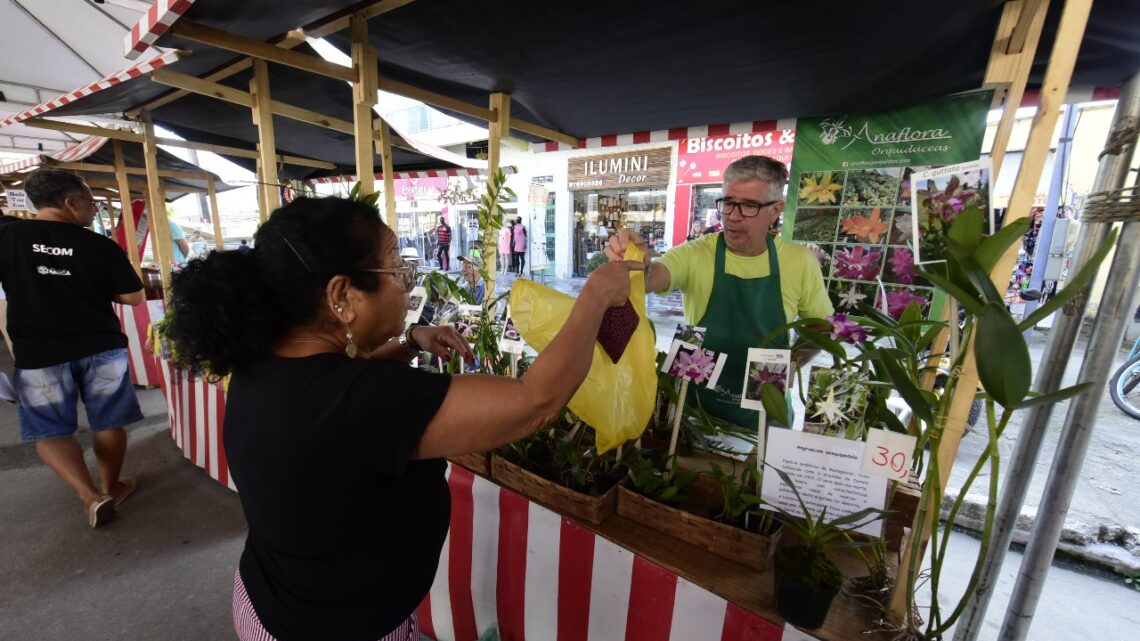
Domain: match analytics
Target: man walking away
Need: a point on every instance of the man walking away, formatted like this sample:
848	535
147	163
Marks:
61	280
519	246
443	244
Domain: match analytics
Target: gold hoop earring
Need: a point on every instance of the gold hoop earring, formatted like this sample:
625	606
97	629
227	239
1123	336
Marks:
350	349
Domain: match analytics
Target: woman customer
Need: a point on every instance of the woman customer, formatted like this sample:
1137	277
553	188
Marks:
334	443
506	257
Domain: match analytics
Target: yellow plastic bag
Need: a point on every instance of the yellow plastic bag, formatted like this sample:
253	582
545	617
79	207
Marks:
616	398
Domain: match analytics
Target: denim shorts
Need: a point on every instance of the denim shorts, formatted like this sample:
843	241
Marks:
48	397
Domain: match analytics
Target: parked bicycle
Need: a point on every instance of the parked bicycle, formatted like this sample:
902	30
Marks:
1125	383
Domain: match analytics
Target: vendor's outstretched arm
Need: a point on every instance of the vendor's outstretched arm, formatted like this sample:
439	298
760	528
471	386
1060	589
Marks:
483	412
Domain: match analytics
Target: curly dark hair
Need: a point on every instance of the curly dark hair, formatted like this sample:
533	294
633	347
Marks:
50	187
229	308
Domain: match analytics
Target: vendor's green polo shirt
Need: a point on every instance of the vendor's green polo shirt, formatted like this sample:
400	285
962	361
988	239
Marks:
691	267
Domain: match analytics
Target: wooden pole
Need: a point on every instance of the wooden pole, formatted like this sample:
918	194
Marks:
262	208
389	170
156	205
1058	74
364	99
215	214
128	216
496	129
1008	71
267	141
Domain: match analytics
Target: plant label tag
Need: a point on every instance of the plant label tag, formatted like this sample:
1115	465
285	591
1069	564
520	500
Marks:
694	363
470	320
416	301
888	454
511	342
765	366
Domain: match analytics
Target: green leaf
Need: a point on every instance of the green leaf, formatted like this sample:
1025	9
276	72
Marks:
857	517
775	404
1054	397
823	341
967	300
992	248
979	277
1002	356
907	389
967	229
1073	286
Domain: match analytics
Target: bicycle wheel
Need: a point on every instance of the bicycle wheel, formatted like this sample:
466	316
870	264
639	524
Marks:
1125	388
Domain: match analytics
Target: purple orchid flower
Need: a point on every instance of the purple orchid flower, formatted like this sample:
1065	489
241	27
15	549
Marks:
847	330
898	301
857	263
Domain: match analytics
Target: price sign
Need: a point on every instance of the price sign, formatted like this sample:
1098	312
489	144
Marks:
17	200
888	454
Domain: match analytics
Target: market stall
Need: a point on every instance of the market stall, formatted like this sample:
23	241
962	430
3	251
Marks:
529	590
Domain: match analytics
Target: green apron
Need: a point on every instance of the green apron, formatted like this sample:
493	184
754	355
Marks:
740	313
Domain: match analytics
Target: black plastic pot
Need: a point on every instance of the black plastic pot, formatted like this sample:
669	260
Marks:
802	606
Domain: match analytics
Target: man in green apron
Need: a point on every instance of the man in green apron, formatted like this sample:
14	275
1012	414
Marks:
740	284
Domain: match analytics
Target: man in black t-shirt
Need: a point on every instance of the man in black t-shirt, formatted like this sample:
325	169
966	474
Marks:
61	279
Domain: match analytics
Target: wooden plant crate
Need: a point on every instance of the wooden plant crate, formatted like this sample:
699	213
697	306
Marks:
901	511
479	463
753	550
561	499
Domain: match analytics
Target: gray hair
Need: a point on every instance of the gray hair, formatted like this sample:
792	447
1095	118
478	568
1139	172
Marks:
50	187
762	168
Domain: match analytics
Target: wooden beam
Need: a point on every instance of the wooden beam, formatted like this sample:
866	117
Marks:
1019	38
137	171
156	205
201	33
543	132
267	140
386	166
262	210
244	99
1008	73
289	40
363	99
87	130
128	215
215	214
244	153
435	99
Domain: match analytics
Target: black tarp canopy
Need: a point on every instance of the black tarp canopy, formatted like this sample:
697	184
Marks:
591	69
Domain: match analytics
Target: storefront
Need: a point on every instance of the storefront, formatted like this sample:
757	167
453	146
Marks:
700	171
618	191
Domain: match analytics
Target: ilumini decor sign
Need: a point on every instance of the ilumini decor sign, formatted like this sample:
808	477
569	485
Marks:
614	171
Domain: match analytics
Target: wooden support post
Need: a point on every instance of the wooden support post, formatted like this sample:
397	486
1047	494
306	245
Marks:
128	216
1053	90
363	100
267	142
262	209
496	130
215	214
156	206
1008	71
386	166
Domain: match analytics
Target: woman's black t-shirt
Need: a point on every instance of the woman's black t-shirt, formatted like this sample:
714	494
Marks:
345	530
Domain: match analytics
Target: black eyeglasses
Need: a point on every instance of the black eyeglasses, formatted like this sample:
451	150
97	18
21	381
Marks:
747	209
406	271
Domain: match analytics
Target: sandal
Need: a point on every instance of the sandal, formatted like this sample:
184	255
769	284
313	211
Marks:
100	511
127	485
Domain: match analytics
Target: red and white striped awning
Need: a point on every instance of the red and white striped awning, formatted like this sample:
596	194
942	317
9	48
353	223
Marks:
71	154
153	24
666	135
432	173
106	82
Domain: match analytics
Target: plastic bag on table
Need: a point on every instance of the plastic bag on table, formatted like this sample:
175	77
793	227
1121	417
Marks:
617	399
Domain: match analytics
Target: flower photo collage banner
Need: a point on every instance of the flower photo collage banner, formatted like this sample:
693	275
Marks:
850	195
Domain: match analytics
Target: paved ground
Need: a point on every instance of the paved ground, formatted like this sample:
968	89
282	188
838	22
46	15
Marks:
163	569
